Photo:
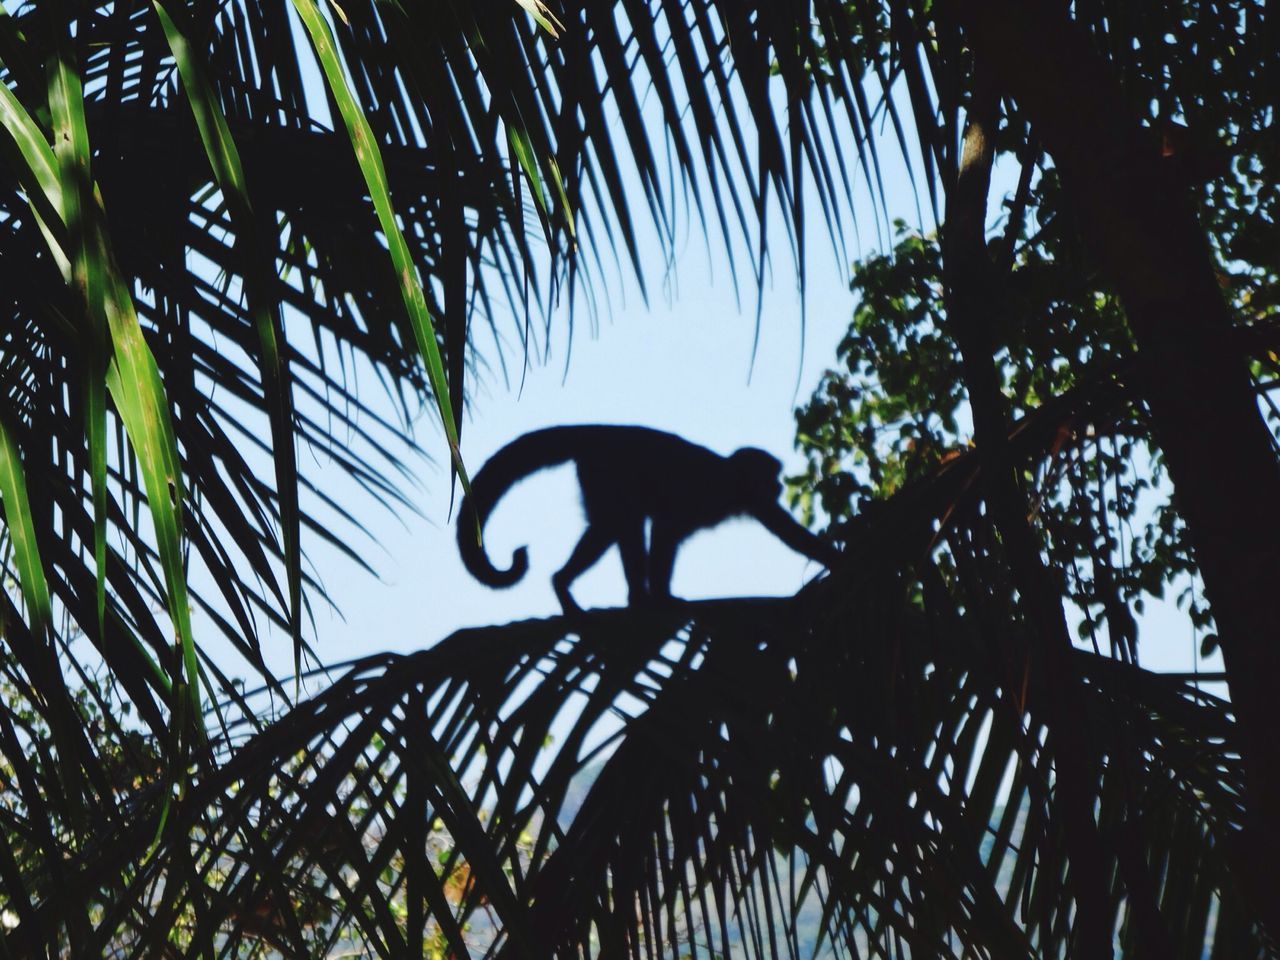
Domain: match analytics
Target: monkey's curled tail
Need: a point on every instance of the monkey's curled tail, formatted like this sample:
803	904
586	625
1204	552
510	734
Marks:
518	459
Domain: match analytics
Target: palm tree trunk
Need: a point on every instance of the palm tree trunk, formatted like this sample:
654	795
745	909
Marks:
1142	227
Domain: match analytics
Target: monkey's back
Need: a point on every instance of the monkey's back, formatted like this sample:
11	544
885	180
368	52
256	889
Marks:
630	471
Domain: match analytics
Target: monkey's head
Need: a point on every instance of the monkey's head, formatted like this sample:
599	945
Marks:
756	472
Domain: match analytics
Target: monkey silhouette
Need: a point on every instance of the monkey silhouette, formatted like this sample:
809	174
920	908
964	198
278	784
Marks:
632	478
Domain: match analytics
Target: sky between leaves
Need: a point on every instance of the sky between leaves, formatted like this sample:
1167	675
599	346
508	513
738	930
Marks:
683	363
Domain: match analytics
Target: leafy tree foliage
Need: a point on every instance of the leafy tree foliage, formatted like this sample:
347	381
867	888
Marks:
897	409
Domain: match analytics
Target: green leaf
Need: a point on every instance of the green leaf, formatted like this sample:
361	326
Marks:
71	150
224	160
134	381
523	151
41	165
563	196
22	534
37	171
132	377
543	15
369	158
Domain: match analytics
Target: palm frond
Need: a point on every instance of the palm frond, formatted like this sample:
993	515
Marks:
756	778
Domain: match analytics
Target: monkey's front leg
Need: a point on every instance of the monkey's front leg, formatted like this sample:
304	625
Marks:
800	539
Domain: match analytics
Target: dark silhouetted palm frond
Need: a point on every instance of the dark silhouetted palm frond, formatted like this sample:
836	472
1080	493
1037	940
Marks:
748	778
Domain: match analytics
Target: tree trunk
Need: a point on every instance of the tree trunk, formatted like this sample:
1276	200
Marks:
969	278
1142	227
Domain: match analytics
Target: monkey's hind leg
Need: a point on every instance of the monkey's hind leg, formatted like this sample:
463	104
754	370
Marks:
635	561
664	540
589	549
